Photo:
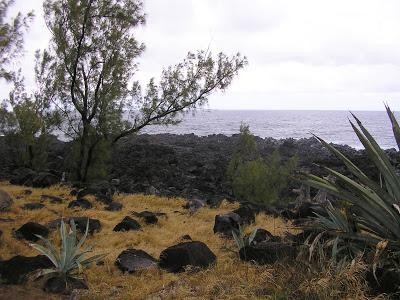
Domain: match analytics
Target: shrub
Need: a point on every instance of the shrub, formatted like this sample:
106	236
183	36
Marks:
254	178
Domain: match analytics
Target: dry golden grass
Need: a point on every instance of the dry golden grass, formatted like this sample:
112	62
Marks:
228	279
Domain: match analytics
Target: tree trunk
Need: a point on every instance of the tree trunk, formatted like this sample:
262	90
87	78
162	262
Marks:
83	153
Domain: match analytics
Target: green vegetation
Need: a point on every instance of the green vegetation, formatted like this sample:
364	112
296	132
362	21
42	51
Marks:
70	258
370	225
254	178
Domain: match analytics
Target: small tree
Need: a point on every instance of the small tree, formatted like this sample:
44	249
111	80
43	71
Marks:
27	120
93	52
254	178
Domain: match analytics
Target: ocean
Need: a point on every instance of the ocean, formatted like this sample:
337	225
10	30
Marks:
333	126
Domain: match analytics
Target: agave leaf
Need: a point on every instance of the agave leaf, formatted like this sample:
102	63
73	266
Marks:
395	125
238	239
378	156
92	259
51	248
63	253
39	273
252	236
45	251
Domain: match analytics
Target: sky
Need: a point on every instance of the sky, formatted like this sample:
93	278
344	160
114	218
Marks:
309	54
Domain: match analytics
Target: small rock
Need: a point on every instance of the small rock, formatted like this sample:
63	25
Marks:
27	192
5	201
133	260
114	206
224	224
193	253
185	237
29	231
52	199
81	203
148	216
194	205
267	252
80	222
33	206
246	213
127	224
62	285
16	269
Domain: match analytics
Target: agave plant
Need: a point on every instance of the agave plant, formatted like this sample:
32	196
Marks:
371	220
242	240
69	260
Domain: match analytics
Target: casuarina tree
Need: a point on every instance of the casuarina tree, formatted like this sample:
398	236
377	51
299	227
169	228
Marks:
93	53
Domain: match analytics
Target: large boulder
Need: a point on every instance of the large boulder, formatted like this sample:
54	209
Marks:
80	222
29	231
5	201
127	224
226	223
133	260
194	253
267	252
17	269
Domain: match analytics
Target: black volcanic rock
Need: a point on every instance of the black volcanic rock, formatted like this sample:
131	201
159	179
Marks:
29	231
33	206
127	224
16	269
80	203
133	260
177	258
80	222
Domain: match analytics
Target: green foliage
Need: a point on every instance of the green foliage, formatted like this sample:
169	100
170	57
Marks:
11	37
254	178
242	240
91	60
371	223
70	259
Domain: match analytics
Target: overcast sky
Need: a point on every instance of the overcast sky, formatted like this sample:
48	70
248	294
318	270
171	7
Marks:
310	54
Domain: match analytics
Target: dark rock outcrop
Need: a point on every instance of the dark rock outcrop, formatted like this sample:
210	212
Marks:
388	281
16	269
102	190
247	214
29	231
127	224
133	260
195	254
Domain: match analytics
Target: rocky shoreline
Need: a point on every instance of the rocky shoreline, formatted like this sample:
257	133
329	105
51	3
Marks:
187	165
